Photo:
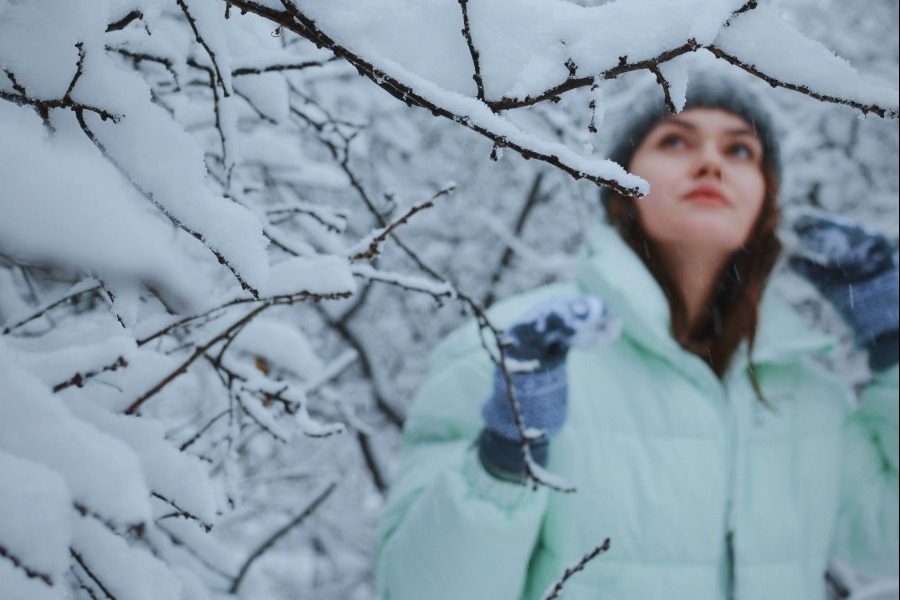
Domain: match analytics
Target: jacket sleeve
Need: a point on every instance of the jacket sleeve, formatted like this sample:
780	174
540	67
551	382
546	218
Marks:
867	532
449	529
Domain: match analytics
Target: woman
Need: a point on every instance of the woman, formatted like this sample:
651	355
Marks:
717	457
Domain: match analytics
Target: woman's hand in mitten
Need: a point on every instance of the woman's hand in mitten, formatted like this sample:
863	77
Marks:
855	268
538	343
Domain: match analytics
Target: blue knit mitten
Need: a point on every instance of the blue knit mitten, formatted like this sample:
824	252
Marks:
855	268
539	341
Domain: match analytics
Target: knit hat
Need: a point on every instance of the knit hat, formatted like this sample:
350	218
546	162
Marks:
704	91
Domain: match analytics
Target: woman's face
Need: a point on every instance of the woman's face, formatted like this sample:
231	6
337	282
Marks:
707	186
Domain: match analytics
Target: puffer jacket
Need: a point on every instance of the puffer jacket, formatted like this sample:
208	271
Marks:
704	492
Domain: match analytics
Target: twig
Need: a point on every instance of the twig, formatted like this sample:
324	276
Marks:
168	214
181	512
666	88
371	462
557	588
187	444
385	232
124	21
29	572
243	71
573	83
79	379
473	51
271	540
293	19
43	310
209	51
200	351
534	196
802	89
78	558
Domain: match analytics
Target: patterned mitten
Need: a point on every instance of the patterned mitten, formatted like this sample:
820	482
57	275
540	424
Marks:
539	341
855	268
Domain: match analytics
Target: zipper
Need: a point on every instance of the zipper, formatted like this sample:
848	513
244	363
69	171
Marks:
729	565
731	445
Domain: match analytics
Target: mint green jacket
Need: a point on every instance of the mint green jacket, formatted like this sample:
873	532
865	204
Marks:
704	492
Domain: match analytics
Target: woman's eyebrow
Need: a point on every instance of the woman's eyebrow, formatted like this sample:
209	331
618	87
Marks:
742	131
679	123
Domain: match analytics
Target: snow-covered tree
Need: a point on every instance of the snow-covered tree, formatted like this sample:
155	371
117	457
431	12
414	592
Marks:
222	250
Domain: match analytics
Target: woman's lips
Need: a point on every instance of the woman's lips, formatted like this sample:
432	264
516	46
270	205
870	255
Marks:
706	195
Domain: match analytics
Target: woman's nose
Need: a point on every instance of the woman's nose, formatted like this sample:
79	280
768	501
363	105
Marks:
709	161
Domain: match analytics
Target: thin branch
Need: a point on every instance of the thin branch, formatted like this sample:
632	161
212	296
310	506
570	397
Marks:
44	309
183	513
271	540
666	88
242	71
802	89
342	327
209	51
29	572
171	217
217	108
187	444
372	250
293	19
200	351
371	462
534	196
300	296
557	588
79	379
124	21
227	334
79	71
138	57
80	560
573	83
473	51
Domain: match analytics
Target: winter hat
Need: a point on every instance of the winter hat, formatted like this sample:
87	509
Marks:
719	91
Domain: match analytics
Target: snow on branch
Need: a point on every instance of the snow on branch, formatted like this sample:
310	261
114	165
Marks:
368	247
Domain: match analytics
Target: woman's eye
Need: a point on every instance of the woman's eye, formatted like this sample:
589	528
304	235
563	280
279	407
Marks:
740	150
672	140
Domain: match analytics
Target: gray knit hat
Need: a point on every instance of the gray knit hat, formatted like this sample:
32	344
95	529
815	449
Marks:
704	91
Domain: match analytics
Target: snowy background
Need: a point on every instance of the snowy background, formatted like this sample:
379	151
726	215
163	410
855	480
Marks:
225	252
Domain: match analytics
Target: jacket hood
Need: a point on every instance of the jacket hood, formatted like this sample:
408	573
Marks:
609	268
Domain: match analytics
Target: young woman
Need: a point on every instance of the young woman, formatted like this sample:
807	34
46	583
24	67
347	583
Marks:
719	459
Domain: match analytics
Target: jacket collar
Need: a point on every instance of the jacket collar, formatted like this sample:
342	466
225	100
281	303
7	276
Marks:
609	268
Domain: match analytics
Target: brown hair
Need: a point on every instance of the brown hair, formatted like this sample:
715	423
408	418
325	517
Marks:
734	308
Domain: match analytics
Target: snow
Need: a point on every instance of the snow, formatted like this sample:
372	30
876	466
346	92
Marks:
101	472
35	505
146	212
762	38
129	573
318	275
281	345
109	231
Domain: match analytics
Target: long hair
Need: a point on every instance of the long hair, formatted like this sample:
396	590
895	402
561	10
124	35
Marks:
733	309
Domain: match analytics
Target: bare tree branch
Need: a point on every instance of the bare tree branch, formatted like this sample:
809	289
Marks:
124	21
79	379
29	572
45	309
380	236
666	88
280	533
209	51
467	33
557	588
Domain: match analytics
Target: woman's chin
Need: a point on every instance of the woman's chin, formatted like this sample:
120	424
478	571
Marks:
709	230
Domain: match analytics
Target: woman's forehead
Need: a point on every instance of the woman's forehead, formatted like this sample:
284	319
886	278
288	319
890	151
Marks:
710	120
